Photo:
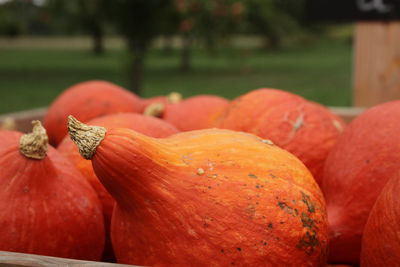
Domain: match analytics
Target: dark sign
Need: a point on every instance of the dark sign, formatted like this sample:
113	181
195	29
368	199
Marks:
351	10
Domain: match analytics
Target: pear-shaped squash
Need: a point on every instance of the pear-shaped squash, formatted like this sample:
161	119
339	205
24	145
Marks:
381	237
206	198
364	158
304	128
143	124
87	100
46	205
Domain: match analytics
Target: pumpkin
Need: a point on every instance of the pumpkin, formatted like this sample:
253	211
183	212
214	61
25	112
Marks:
304	128
206	198
46	205
193	113
87	100
172	97
143	124
381	237
365	156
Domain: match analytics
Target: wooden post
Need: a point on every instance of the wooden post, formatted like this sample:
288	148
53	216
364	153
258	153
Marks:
376	73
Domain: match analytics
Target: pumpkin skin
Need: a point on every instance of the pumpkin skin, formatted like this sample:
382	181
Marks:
87	100
364	158
210	198
144	124
47	207
381	237
194	113
304	128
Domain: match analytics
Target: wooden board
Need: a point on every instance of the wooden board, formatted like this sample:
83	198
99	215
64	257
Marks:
376	77
8	259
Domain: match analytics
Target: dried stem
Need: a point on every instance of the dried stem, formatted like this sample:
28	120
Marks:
34	145
87	138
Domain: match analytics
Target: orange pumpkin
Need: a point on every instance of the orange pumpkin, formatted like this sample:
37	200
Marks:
304	128
206	198
46	205
193	113
147	125
87	100
381	237
364	158
172	97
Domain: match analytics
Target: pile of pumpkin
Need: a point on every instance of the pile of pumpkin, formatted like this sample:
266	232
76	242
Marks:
267	179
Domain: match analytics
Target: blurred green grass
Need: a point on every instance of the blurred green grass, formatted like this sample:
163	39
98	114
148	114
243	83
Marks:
33	77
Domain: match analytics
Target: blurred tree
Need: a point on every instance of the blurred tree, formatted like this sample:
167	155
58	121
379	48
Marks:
88	15
208	21
139	22
274	19
11	18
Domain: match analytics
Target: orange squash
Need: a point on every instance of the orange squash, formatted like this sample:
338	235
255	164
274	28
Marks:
381	237
206	198
87	100
193	113
172	97
147	125
364	158
46	205
304	128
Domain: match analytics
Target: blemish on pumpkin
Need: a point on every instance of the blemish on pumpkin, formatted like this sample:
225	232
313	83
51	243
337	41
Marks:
265	243
253	176
250	210
270	225
26	189
296	125
285	207
272	176
210	165
337	125
239	249
222	250
306	199
187	158
257	186
308	242
367	161
307	221
200	171
267	141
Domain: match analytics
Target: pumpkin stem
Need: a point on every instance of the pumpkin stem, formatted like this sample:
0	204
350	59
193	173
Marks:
34	145
174	97
87	138
154	110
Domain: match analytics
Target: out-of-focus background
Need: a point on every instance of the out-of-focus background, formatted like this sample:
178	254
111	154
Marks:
153	47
